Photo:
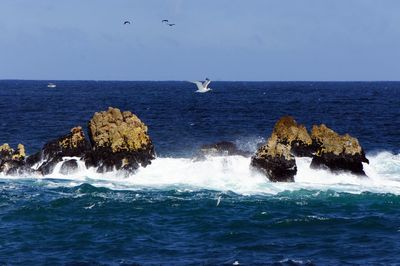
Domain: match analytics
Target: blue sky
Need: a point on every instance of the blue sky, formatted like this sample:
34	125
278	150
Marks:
221	39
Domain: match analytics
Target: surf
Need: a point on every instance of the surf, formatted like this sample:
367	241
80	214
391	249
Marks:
234	174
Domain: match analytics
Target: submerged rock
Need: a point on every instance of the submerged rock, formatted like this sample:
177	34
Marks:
119	141
222	148
69	167
337	152
73	144
275	160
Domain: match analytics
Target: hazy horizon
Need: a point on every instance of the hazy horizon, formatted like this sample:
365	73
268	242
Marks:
226	40
125	80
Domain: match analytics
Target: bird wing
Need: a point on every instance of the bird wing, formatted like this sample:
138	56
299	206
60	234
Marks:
198	84
206	82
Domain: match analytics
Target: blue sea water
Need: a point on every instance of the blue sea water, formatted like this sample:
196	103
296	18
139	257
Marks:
167	213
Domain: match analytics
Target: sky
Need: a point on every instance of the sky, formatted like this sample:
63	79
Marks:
249	40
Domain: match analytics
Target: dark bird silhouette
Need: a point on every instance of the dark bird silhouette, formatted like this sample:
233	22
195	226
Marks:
171	24
164	21
127	22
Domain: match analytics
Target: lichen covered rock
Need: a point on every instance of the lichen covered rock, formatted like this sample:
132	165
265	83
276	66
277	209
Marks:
276	157
73	144
337	152
12	161
6	151
294	135
119	141
275	160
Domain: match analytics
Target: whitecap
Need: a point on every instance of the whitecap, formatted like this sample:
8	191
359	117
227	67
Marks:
233	173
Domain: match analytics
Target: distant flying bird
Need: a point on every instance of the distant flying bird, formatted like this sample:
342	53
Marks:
202	87
164	21
171	24
90	207
127	22
219	200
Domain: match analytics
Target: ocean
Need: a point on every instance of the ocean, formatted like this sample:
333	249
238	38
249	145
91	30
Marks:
217	211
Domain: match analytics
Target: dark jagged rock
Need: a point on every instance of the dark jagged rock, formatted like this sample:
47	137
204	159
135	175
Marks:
337	152
119	141
73	144
295	136
275	160
222	148
69	167
12	161
276	157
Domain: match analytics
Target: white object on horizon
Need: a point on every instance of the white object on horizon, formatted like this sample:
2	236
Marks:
202	87
51	85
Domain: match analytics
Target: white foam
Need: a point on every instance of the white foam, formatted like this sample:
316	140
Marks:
233	173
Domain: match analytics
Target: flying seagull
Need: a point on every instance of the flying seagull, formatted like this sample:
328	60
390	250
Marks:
219	200
171	24
202	87
164	21
127	22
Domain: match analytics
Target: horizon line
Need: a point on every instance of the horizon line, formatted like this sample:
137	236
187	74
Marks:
126	80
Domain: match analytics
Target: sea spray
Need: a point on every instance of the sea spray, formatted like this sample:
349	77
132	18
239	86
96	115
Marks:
233	173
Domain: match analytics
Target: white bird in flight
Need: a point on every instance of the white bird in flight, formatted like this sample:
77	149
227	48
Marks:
219	200
202	87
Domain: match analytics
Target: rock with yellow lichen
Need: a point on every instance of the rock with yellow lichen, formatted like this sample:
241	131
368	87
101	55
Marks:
295	136
6	151
73	144
119	141
275	160
19	153
12	161
276	157
327	148
337	152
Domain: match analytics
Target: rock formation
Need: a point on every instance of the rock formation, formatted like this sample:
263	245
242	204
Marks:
222	148
276	157
327	148
69	167
337	152
275	160
11	161
119	141
295	136
73	144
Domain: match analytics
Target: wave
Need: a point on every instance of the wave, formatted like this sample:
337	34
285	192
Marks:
232	173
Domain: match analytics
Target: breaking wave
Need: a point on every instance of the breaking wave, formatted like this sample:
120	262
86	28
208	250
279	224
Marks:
232	173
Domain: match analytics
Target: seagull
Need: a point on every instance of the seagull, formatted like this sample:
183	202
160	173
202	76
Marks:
127	22
202	87
219	200
171	24
90	207
164	21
